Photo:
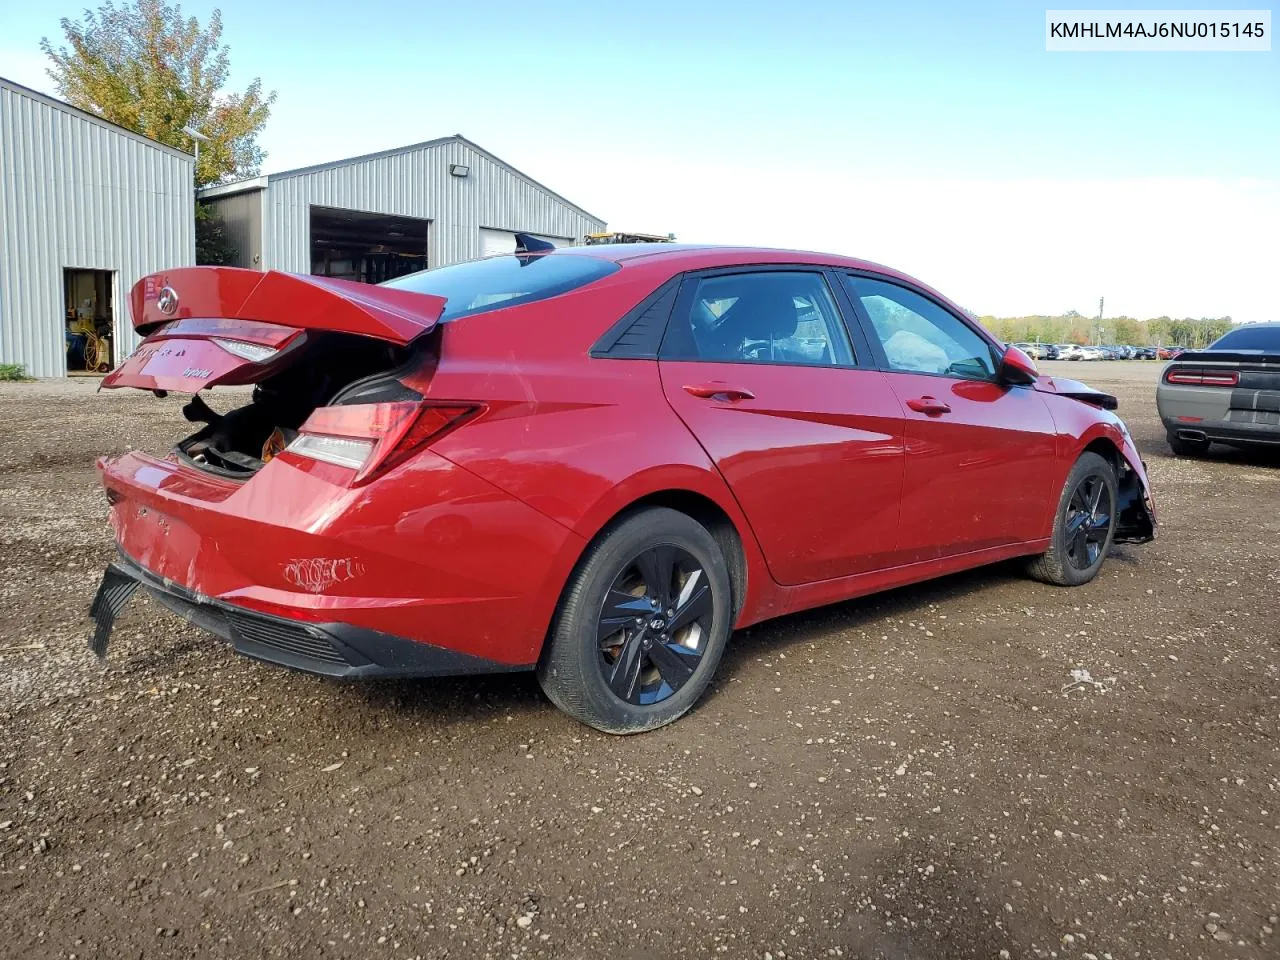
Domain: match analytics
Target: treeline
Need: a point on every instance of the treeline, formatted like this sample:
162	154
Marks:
1073	327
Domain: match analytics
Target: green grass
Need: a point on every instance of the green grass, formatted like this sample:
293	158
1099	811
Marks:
13	371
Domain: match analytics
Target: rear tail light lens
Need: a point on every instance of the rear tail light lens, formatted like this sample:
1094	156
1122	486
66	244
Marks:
370	438
1203	378
253	352
341	451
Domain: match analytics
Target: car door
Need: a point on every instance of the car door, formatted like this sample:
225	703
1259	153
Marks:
758	363
980	454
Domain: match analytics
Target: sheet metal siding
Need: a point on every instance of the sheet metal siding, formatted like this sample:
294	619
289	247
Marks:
416	184
75	193
241	215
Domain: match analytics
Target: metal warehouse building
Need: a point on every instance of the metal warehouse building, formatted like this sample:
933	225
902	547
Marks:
86	209
375	217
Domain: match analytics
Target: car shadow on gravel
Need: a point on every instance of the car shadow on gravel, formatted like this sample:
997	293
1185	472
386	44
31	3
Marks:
450	700
1236	456
822	623
456	700
466	699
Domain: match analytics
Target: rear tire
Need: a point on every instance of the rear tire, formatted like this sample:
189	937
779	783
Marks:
1083	527
642	624
1183	447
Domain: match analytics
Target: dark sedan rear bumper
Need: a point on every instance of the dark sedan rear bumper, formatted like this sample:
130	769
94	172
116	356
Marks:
330	649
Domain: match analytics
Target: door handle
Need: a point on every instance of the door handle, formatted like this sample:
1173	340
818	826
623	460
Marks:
930	405
718	391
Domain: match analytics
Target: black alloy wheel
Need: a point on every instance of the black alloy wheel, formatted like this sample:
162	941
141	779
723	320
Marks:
1089	521
654	625
1083	526
642	623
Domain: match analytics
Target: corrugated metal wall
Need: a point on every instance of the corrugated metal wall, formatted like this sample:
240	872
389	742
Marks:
75	192
241	215
416	184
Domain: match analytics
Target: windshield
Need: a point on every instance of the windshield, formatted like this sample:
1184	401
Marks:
1259	337
479	285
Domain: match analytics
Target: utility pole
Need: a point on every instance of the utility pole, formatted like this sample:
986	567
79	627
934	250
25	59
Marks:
1097	330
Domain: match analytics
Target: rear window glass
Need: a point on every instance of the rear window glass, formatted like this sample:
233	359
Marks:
1249	338
480	285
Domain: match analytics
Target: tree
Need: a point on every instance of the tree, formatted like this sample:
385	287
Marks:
213	246
147	68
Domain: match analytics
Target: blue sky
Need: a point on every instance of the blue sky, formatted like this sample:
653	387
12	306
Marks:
938	137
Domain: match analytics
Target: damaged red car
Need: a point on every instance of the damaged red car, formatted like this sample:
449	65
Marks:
591	462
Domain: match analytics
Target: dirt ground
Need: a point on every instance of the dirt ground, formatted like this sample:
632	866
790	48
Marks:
895	777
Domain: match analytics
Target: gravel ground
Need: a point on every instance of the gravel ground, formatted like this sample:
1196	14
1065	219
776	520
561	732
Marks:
896	777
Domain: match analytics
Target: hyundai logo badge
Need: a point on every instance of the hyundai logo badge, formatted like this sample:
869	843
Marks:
167	301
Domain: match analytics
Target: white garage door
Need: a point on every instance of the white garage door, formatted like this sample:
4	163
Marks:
504	241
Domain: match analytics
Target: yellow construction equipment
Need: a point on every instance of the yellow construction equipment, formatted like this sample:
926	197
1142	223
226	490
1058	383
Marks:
618	237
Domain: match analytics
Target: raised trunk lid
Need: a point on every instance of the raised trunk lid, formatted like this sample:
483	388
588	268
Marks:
206	326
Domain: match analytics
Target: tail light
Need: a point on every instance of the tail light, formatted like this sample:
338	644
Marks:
253	352
1203	378
370	438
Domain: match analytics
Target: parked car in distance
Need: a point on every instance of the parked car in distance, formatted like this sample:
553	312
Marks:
1038	351
1070	351
590	462
1229	392
1145	353
1168	353
1090	352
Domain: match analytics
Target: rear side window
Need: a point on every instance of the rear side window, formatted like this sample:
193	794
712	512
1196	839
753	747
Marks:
480	285
1249	338
760	317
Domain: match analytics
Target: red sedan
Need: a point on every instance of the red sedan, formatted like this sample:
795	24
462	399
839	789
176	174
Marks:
594	463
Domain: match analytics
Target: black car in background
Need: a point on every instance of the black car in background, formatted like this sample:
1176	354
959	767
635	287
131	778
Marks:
1229	392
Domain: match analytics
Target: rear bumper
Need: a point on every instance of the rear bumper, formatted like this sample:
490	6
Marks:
429	553
1225	431
329	649
1201	413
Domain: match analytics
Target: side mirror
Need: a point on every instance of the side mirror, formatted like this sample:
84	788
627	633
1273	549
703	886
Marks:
1017	368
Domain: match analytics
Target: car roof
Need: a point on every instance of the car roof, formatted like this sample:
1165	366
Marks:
625	252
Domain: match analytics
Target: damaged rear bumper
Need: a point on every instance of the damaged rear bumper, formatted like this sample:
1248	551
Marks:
329	649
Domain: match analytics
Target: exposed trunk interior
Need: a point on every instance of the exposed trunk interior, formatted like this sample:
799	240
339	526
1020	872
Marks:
328	369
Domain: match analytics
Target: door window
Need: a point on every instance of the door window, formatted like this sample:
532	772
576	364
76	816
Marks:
759	317
919	336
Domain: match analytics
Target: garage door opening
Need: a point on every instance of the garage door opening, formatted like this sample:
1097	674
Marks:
89	323
369	247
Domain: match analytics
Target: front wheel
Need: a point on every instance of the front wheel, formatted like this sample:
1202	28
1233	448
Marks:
641	626
1083	527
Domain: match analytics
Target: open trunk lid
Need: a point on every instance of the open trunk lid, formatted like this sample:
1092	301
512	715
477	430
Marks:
206	326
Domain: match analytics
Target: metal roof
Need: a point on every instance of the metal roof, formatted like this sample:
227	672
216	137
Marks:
259	183
91	117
